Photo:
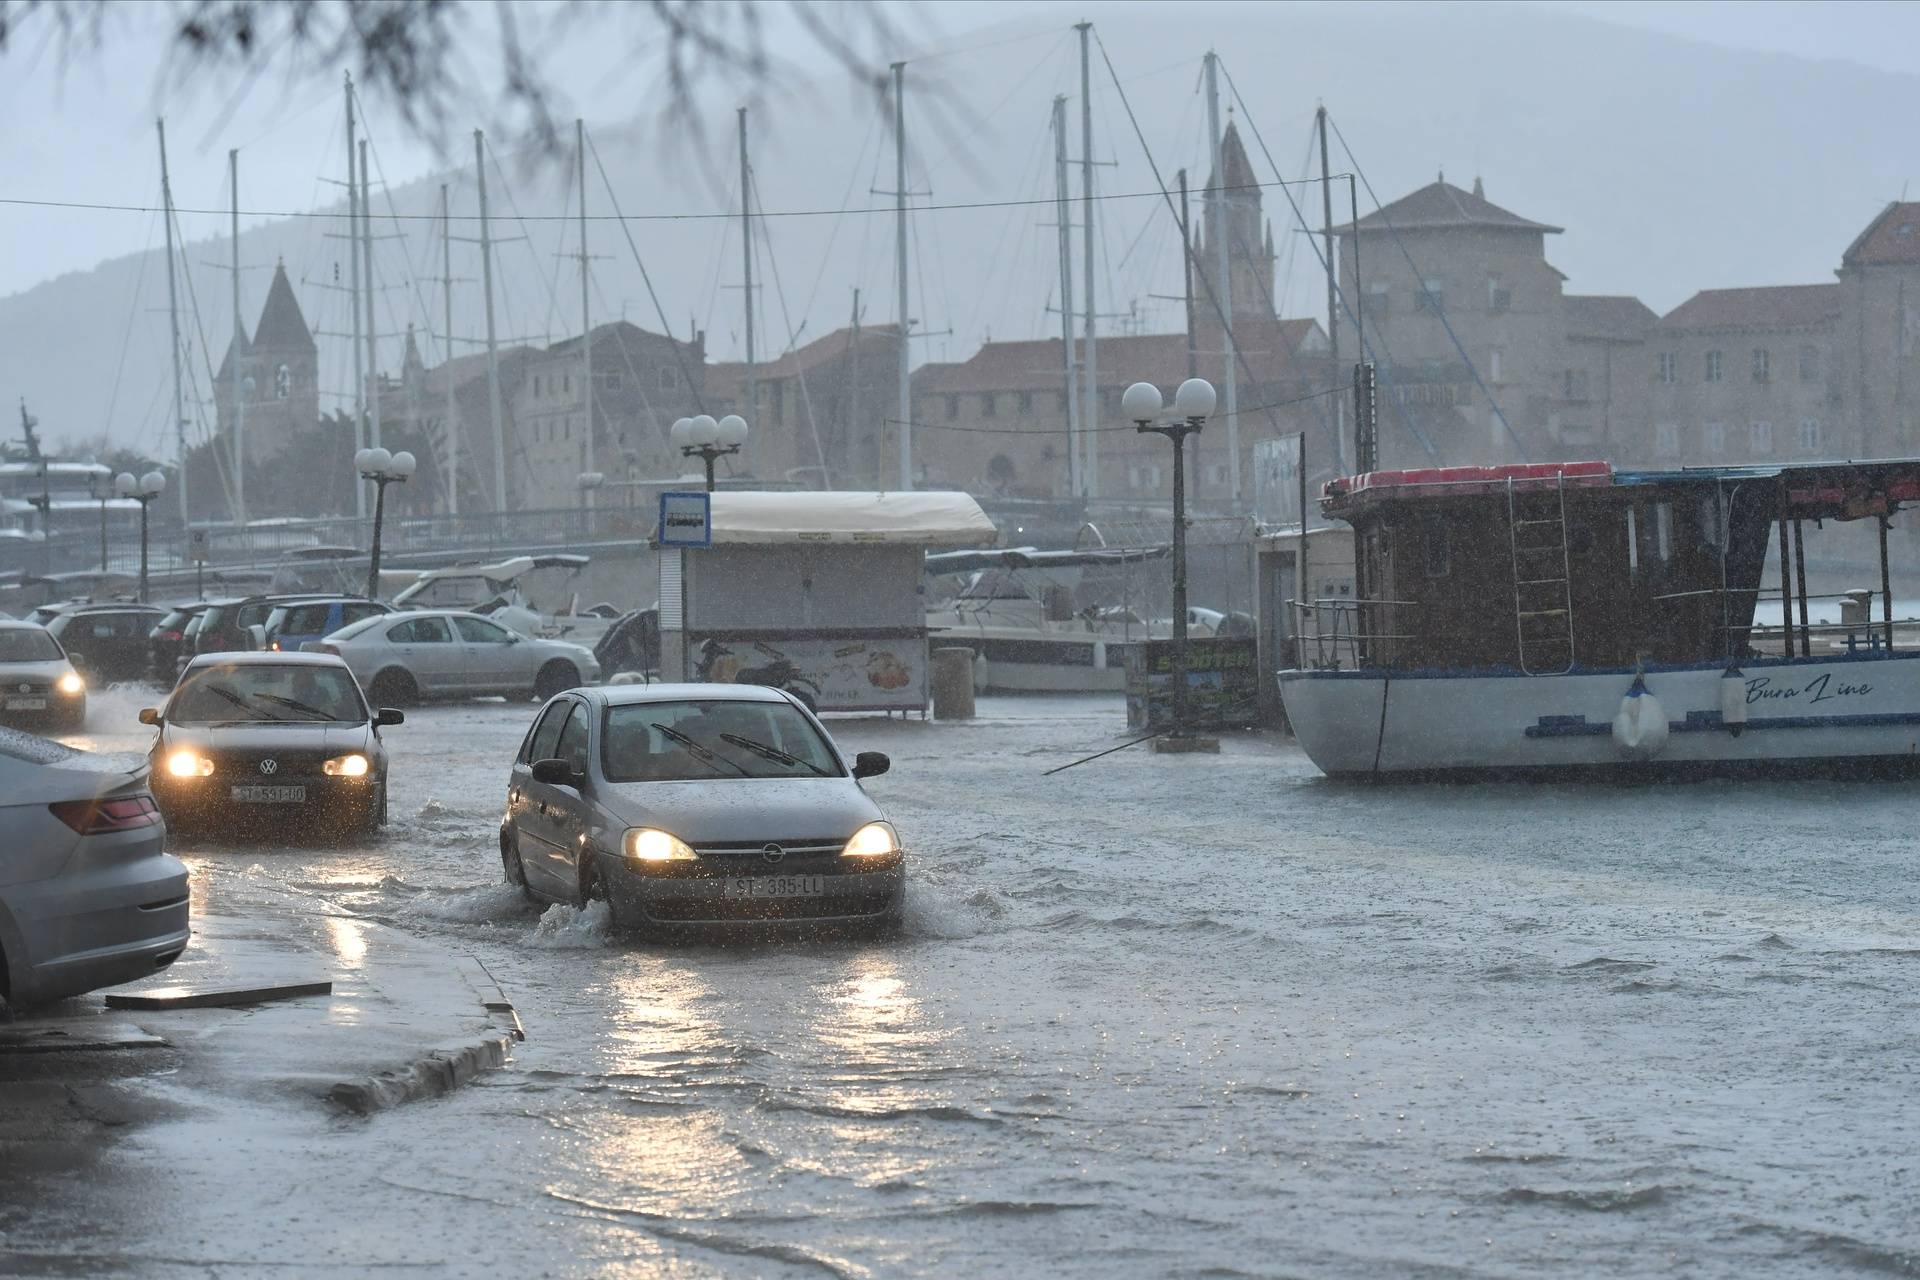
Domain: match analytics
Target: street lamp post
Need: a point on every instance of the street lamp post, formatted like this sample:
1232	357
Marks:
101	487
143	491
1192	405
383	469
706	439
589	482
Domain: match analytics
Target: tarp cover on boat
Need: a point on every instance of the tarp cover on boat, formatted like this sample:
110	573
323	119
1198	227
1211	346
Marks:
942	519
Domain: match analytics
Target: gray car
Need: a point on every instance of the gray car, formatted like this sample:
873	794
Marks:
89	896
403	658
38	683
690	806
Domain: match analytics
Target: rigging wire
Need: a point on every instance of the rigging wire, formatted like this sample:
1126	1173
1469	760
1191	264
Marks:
1128	428
126	337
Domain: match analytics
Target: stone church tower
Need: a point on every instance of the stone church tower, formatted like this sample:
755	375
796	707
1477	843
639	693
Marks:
284	366
1235	212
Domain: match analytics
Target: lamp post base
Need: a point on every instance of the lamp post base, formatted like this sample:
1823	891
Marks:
1172	746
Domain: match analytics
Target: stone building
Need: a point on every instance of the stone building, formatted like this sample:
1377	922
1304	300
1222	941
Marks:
284	366
824	412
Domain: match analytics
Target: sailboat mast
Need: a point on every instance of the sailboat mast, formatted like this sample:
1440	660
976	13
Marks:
1333	289
1062	215
493	348
1221	232
1186	275
239	351
451	429
353	300
366	258
173	321
586	321
900	268
746	265
1090	406
853	397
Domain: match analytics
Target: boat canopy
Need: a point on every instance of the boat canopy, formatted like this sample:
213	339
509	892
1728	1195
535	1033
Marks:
936	519
1032	558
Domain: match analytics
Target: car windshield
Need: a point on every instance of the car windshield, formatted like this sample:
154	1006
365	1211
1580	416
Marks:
19	644
226	693
682	741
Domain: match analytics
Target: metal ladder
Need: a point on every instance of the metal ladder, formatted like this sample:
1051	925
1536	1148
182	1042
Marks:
1542	582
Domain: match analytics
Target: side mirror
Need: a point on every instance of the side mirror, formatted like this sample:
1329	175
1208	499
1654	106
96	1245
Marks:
555	773
870	764
388	715
514	637
149	715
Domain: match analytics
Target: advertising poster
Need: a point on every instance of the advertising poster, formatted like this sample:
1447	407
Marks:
843	673
1222	684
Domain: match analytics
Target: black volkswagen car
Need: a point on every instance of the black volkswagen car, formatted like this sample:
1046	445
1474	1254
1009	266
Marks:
281	738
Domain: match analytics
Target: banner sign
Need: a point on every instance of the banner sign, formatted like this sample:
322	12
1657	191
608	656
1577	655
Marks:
1223	683
686	519
829	673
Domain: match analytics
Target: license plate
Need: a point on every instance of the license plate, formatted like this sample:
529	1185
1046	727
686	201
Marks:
776	886
270	795
26	704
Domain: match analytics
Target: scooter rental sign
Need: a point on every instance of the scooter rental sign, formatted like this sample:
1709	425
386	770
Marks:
686	519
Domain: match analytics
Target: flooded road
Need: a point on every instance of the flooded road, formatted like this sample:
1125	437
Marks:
1178	1015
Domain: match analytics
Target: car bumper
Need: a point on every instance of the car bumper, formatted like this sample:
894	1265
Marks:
687	900
210	801
61	709
99	927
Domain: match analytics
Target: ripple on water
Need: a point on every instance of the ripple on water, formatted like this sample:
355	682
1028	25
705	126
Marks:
567	928
484	905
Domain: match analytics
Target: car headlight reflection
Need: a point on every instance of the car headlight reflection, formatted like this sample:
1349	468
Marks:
351	765
875	840
644	844
70	684
189	764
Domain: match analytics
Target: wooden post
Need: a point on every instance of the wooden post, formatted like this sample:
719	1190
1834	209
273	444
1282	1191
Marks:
1800	586
1786	582
1886	585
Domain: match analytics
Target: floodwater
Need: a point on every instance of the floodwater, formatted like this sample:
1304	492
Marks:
1157	1015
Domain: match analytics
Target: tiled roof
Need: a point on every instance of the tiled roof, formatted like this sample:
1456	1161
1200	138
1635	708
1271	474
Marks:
1441	204
726	379
282	327
1892	237
1786	306
1233	154
1159	358
1609	317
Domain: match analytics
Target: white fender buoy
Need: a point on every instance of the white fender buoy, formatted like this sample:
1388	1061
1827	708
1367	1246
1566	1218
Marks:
1640	728
1733	700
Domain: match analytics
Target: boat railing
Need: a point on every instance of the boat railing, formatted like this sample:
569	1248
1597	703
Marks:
1335	632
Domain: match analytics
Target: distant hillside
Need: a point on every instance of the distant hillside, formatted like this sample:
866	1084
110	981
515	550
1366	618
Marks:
1672	165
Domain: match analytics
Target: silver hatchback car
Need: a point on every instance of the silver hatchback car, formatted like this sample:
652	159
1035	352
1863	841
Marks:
691	806
403	658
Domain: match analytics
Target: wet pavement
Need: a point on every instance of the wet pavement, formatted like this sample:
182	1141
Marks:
1157	1015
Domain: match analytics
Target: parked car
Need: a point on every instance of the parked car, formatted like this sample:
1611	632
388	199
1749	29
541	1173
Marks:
290	626
166	642
226	626
107	642
402	658
699	805
38	684
89	896
250	737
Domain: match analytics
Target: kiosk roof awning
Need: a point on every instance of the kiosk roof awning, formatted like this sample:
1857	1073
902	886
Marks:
939	519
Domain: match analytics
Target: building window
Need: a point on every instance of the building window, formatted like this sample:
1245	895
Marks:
1663	531
1217	473
1026	402
1762	364
1496	362
1499	297
611	381
953	407
1666	439
1379	300
1809	363
536	386
282	382
1714	438
1667	362
989	406
1431	297
1760	437
566	385
1713	366
1576	384
1809	435
1062	397
1144	476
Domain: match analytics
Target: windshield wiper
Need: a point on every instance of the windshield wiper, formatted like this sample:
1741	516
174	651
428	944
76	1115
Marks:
773	753
297	705
242	703
700	753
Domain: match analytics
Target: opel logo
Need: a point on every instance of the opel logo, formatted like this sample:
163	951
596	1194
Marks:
269	765
773	853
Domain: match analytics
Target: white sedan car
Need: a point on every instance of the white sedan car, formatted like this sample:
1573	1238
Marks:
403	658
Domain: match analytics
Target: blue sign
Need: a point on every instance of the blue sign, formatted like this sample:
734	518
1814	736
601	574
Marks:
686	520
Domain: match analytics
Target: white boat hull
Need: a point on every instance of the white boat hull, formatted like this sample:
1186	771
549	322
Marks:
1821	714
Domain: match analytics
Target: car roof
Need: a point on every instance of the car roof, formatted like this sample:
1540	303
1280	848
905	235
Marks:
260	658
626	695
19	624
115	606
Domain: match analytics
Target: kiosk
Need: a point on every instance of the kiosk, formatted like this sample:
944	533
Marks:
820	594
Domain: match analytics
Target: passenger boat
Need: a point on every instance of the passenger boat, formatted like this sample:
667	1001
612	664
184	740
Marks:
1570	619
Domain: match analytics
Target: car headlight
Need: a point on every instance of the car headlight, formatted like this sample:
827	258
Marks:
351	765
644	844
189	764
875	840
70	684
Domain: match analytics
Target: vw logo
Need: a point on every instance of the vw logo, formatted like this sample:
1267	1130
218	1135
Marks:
26	688
773	853
269	765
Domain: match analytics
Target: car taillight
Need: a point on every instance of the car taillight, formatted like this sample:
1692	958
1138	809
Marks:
171	637
97	817
333	649
274	645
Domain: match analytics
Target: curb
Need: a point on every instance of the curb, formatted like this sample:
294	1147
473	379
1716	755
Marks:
438	1072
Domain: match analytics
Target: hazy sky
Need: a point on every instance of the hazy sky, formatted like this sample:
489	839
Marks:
84	132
